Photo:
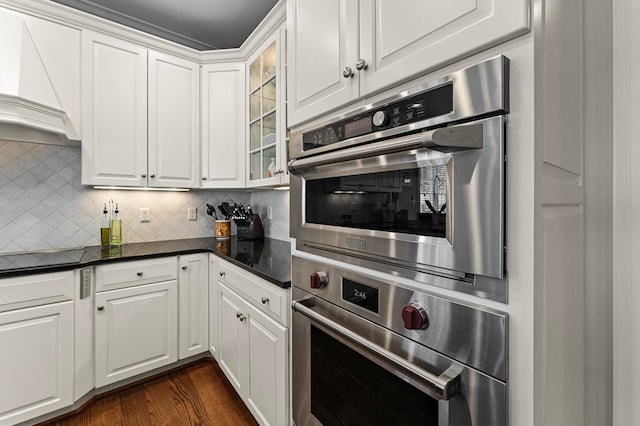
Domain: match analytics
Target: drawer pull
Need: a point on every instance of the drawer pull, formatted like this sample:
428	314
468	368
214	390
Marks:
184	268
265	300
222	274
101	307
139	273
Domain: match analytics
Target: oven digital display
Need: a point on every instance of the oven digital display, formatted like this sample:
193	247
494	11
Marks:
359	294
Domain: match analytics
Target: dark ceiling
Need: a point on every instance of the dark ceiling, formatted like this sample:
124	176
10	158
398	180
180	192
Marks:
200	24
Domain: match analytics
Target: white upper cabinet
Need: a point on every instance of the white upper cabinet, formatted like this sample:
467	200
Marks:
322	41
342	50
114	99
174	122
140	125
267	144
223	123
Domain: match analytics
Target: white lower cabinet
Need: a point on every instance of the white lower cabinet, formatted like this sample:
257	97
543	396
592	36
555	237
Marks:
136	330
194	304
36	361
252	346
253	356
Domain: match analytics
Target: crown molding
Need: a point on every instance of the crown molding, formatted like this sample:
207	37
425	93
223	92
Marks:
74	18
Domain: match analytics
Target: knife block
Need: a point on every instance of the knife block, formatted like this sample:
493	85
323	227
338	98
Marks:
250	230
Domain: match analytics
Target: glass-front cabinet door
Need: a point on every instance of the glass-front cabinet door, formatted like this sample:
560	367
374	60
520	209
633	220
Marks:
266	156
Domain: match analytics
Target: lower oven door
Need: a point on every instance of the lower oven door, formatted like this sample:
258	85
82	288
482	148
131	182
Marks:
347	370
417	207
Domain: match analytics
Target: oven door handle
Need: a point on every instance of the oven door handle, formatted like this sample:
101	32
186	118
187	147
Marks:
446	139
443	386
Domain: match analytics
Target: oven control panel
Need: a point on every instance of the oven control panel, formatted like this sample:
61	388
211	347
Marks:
419	107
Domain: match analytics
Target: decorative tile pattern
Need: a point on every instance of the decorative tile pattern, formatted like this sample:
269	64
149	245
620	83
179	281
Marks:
278	226
43	204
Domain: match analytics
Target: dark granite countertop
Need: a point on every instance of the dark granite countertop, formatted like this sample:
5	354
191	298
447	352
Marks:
267	258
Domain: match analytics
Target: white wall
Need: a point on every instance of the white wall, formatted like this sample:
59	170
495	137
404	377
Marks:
626	211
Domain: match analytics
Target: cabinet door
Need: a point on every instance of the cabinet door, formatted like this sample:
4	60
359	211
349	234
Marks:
194	304
136	330
322	40
402	40
232	353
174	122
213	305
36	361
265	114
223	124
266	393
114	104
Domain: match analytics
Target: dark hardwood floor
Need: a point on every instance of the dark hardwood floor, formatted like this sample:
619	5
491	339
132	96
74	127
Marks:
197	394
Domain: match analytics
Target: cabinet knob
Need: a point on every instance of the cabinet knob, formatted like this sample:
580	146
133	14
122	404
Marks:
222	274
143	176
101	307
184	268
139	273
152	176
361	65
240	316
204	178
347	72
265	300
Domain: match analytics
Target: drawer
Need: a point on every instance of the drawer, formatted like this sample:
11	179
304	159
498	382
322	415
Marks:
265	296
34	290
139	272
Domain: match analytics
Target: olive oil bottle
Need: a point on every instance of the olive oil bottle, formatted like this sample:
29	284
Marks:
105	228
116	229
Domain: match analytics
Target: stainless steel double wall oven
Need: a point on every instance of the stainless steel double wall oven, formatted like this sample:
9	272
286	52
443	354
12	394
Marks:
412	186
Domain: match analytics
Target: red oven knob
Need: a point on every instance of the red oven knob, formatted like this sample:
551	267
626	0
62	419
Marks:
319	279
414	317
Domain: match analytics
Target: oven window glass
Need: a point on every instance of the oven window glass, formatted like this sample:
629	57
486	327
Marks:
347	388
407	201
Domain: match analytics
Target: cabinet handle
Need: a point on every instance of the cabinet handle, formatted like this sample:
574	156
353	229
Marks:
101	307
240	316
265	300
347	72
143	176
139	273
361	65
152	176
204	178
184	268
222	274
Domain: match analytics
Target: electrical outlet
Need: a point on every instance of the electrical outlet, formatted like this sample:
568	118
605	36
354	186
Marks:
192	213
145	214
269	212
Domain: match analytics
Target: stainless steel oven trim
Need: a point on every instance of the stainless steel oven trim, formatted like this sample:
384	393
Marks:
481	401
448	320
485	287
438	386
477	243
445	139
491	75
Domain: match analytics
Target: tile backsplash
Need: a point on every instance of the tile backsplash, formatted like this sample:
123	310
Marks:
43	204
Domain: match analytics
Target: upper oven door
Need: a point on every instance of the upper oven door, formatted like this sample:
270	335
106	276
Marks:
411	205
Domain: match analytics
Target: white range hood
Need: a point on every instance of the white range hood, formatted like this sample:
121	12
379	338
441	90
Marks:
30	108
